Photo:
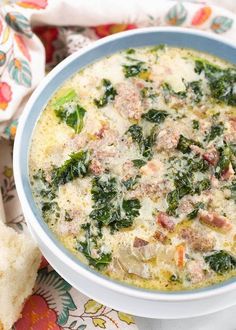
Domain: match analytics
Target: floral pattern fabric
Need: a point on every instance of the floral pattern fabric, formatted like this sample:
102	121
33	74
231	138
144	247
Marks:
28	49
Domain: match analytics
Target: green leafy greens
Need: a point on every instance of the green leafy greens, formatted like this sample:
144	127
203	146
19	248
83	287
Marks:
194	213
195	87
185	143
74	167
221	82
85	248
134	69
185	183
131	182
224	160
232	188
216	130
196	124
109	94
139	162
221	261
145	144
69	111
47	191
155	116
109	208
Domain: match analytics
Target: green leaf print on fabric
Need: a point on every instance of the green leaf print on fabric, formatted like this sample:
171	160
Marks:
176	15
19	23
55	291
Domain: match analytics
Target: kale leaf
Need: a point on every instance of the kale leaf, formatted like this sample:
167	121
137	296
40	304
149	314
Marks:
155	116
139	162
74	167
107	209
48	195
197	164
173	201
196	124
185	185
69	111
168	92
134	69
131	182
216	130
221	261
195	86
85	248
148	92
194	213
136	133
104	190
145	144
130	51
109	94
202	185
48	208
224	160
185	143
130	208
221	81
148	144
72	117
232	188
65	98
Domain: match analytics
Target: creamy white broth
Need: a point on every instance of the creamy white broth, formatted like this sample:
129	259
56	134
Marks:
132	164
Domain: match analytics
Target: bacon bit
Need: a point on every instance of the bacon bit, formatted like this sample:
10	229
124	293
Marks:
228	173
164	220
215	220
198	241
96	167
180	250
211	156
139	242
159	236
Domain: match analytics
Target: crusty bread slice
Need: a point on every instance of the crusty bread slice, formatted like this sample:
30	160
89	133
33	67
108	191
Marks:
19	262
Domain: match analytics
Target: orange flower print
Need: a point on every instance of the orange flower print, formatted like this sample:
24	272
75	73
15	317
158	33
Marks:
5	95
201	16
22	46
47	36
36	315
33	4
1	26
105	30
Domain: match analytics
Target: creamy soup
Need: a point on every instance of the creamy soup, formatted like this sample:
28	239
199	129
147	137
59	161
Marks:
132	165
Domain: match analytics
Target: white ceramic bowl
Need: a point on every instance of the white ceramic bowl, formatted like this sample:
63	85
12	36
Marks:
147	303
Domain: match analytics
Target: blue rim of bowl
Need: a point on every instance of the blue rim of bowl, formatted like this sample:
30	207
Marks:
179	37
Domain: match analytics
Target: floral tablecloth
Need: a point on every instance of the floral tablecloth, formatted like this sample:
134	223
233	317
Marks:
24	29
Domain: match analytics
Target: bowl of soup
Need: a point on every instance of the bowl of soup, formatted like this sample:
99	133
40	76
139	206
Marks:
125	165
